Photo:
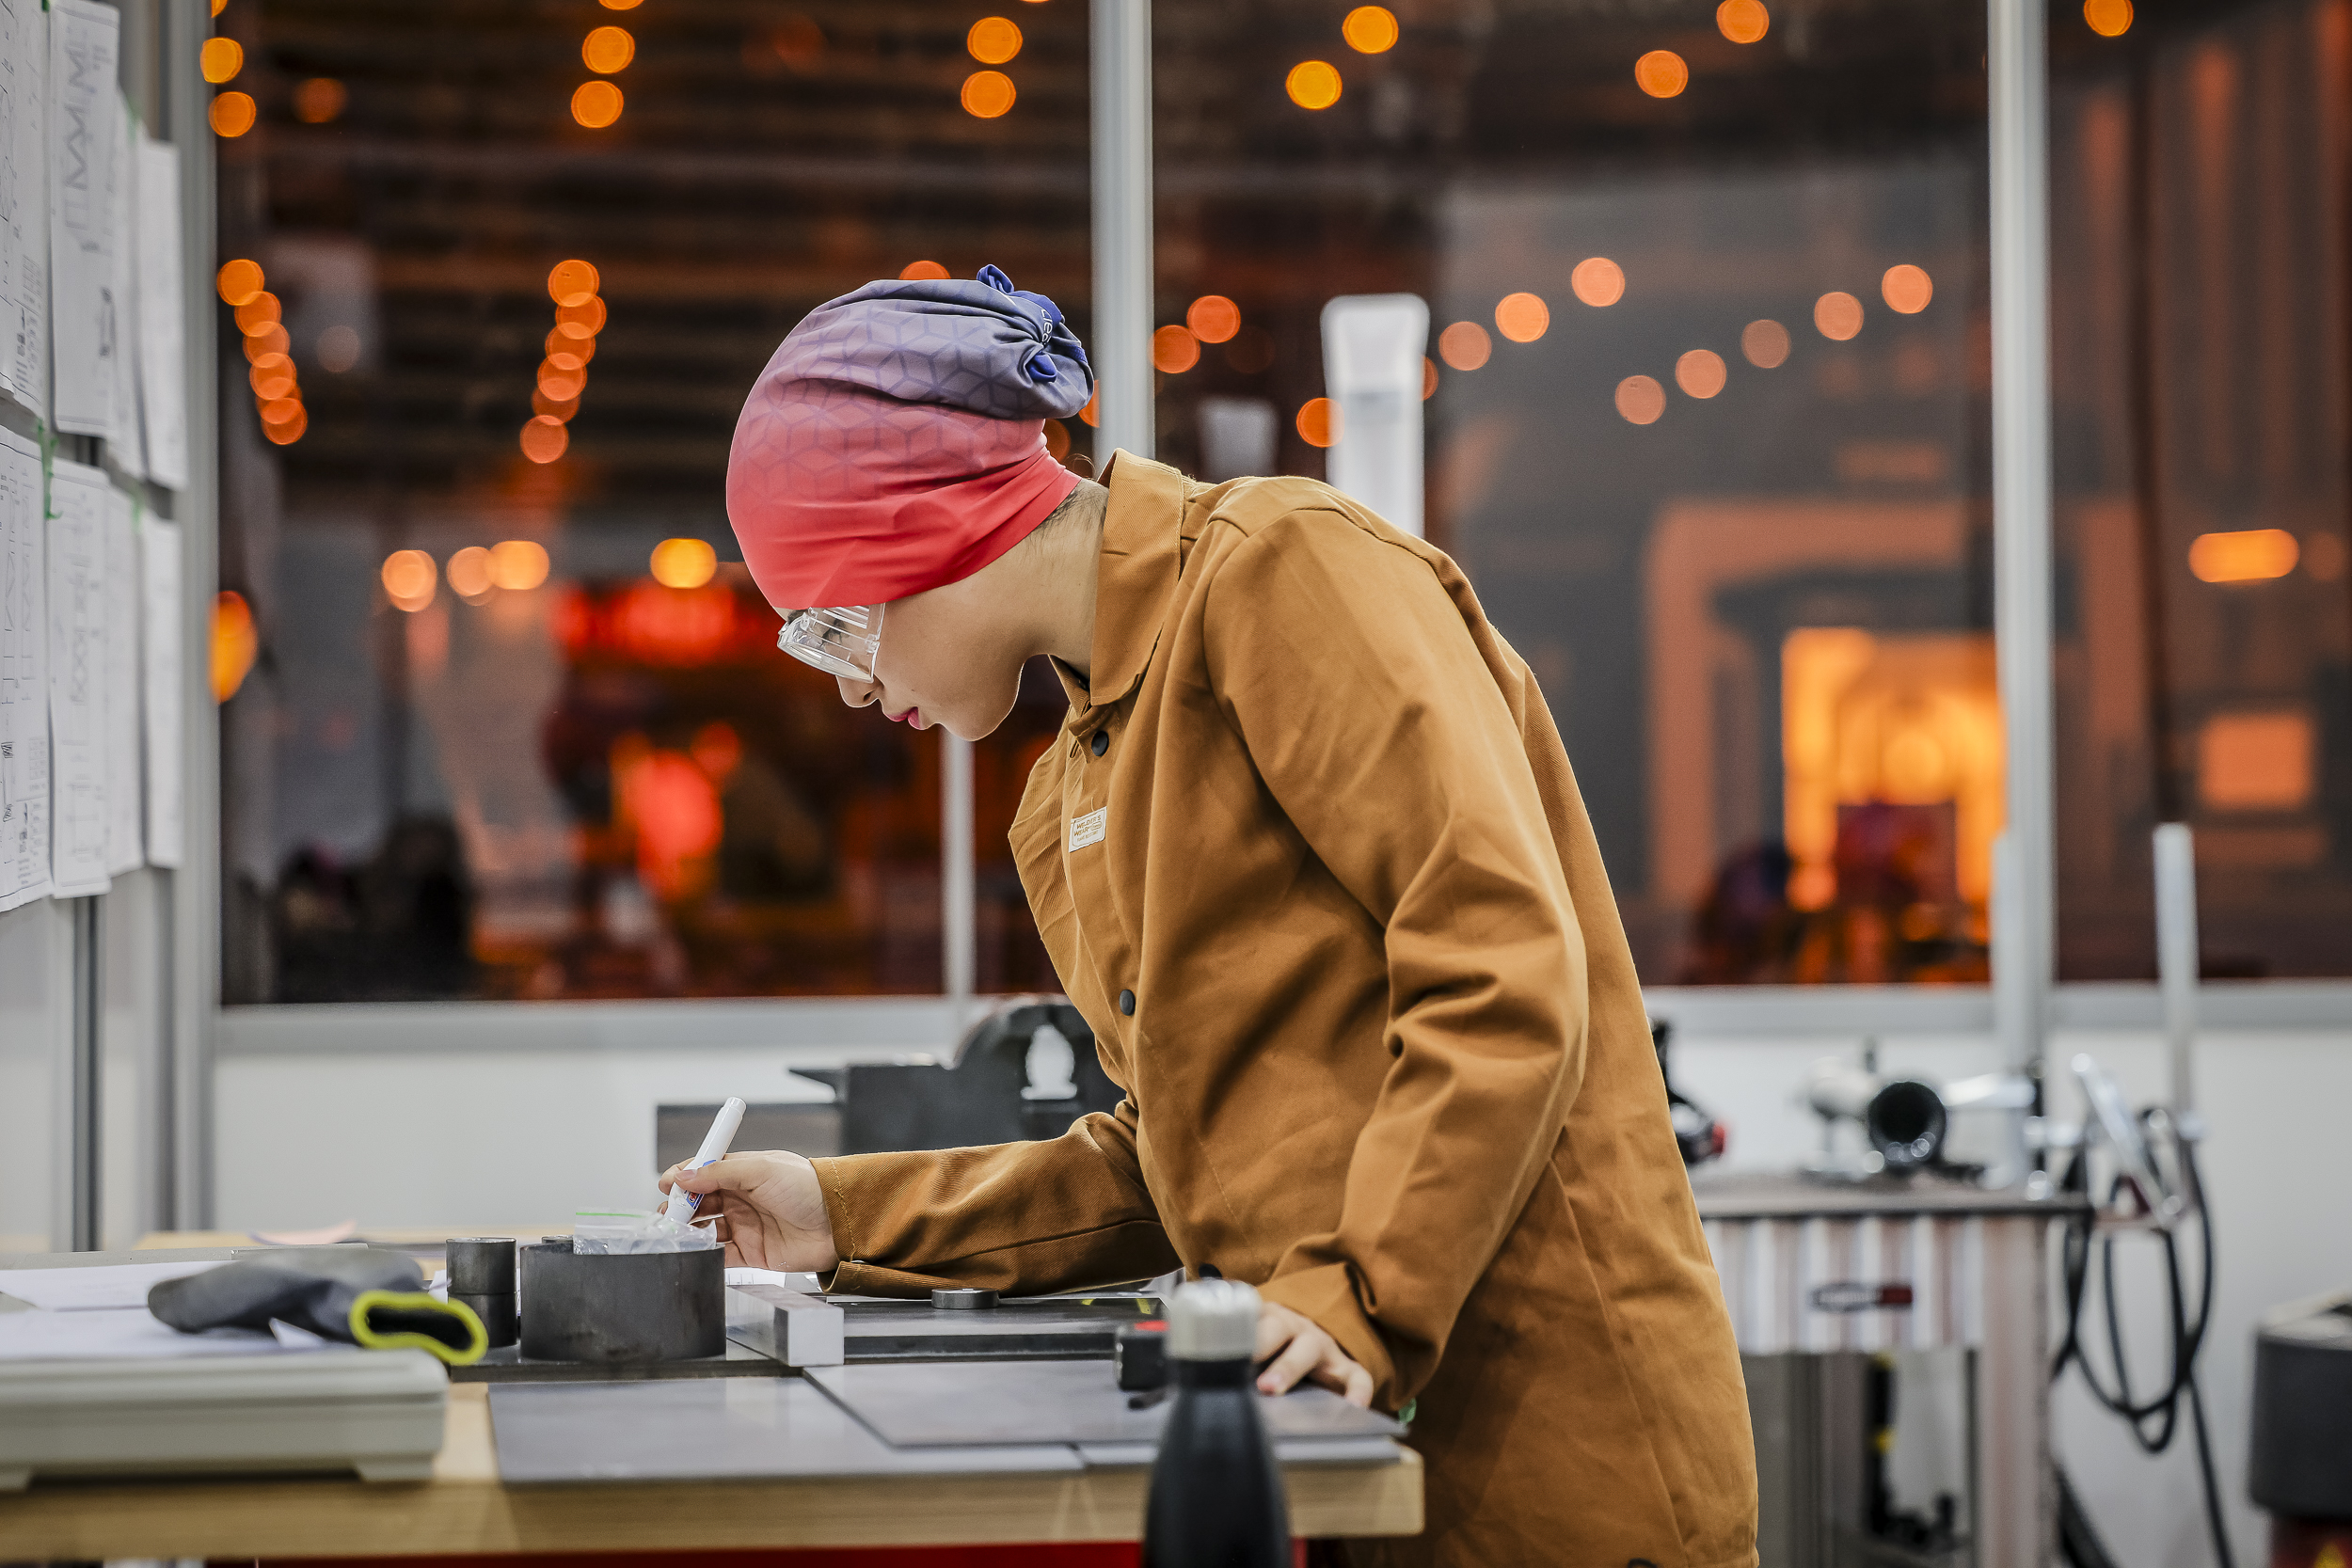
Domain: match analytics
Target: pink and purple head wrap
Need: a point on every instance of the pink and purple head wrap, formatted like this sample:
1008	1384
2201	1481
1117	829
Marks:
895	441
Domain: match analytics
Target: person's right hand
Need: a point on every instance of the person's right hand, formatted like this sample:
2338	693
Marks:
769	1208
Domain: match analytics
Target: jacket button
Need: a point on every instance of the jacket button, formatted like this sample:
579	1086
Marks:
1127	1002
1102	741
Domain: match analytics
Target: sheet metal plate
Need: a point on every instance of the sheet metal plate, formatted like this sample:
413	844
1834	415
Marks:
1053	1328
742	1428
963	1403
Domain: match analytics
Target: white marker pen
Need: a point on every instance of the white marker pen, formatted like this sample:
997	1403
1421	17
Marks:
681	1204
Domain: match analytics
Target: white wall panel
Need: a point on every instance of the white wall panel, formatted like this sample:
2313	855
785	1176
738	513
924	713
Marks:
36	1050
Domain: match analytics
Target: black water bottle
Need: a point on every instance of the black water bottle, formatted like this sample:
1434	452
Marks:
1216	1501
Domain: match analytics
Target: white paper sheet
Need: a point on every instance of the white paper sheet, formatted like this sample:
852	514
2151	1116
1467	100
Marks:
126	848
84	123
24	203
128	446
106	1287
77	679
124	1333
159	555
23	675
163	326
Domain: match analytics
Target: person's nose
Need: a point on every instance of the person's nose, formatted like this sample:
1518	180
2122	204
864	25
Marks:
858	693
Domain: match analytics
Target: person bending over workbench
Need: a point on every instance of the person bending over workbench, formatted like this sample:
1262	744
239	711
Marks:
1309	856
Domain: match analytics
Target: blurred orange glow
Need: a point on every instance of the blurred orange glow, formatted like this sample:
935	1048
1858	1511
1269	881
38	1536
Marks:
1907	289
718	751
994	40
1662	74
677	625
1213	319
235	643
572	283
2256	761
281	411
1838	315
683	562
232	114
469	574
2250	555
1370	29
597	105
1700	373
1091	413
621	4
1522	318
287	431
1465	345
576	342
220	60
544	439
219	6
1313	84
1175	350
560	386
1318	421
1428	377
606	50
270	339
319	100
562	361
922	269
587	313
559	409
1743	21
1765	342
257	313
1641	399
518	565
238	281
1597	281
409	578
987	94
272	376
2110	19
1056	439
671	805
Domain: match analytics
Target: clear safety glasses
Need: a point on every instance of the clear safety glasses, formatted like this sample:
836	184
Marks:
840	642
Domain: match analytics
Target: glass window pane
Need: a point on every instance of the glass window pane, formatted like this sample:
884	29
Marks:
2205	662
1705	399
518	727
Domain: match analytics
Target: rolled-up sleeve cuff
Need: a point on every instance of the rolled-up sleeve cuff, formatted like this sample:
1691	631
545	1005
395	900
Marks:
1328	1295
830	1180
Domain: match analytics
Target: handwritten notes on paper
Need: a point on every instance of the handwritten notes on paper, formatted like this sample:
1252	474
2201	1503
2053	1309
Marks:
159	556
25	204
24	676
126	850
78	624
85	125
163	326
129	447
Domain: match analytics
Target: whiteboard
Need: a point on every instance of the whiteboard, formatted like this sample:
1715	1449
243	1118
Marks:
77	679
24	206
84	123
24	676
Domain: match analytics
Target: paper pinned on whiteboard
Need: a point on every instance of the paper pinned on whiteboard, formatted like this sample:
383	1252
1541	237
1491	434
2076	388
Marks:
84	123
24	676
129	447
162	326
77	679
24	205
125	849
159	555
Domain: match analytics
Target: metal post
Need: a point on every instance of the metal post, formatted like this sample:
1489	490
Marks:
83	1136
2016	1516
1121	342
955	871
2177	958
2019	128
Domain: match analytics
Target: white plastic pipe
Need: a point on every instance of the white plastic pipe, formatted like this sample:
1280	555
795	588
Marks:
1119	344
1373	347
2176	957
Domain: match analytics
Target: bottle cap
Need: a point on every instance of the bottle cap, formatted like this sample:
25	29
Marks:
1213	1320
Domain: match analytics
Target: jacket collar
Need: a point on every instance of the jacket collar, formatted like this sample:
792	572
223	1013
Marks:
1142	542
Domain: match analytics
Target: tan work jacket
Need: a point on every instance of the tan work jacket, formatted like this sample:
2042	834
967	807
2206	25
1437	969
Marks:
1309	856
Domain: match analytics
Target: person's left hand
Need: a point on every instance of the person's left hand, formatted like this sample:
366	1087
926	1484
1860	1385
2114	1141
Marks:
1307	1352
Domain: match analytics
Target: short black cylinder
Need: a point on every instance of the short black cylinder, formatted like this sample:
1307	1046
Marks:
497	1312
623	1307
480	1265
1905	1124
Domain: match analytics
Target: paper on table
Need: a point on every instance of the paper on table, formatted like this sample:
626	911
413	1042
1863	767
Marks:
159	553
24	203
23	675
124	1332
104	1287
128	446
77	679
85	122
124	850
163	329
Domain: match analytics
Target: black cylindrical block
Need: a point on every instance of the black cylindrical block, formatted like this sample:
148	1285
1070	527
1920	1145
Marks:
1139	1355
623	1307
497	1313
480	1265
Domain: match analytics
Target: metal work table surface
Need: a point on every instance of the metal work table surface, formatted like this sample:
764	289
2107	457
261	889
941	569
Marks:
1774	1196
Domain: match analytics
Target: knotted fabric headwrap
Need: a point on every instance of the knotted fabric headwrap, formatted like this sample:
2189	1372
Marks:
895	441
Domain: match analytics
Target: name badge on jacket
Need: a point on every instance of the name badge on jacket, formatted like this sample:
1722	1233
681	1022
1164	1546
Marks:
1088	828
